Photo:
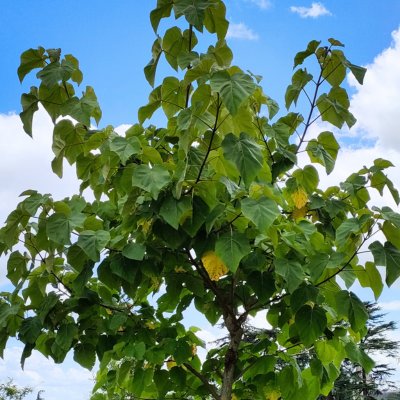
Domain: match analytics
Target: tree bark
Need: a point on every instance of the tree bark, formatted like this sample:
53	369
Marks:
235	333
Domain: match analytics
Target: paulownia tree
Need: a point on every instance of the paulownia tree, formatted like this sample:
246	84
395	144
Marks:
213	211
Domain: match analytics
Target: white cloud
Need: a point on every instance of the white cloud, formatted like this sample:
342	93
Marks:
68	381
390	305
241	31
376	104
314	11
262	4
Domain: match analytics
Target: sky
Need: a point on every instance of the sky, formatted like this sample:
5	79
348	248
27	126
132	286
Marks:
112	40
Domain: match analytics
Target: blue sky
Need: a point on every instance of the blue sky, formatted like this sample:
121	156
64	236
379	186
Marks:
112	40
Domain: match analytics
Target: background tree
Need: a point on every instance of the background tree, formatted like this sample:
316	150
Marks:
213	211
10	391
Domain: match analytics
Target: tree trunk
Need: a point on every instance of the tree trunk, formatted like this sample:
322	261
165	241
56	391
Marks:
235	333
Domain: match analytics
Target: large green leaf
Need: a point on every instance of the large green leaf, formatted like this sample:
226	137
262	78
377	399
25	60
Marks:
349	305
193	10
151	179
92	242
31	59
245	153
151	67
231	247
291	271
134	251
299	80
29	102
85	355
348	227
262	212
125	148
175	211
388	256
59	228
215	20
324	150
234	90
310	323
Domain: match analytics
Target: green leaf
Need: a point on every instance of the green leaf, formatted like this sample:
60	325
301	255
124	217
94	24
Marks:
299	80
334	70
348	227
193	10
215	20
349	305
392	233
153	104
134	251
183	351
357	355
388	256
175	211
66	335
302	55
83	109
92	242
16	267
231	248
59	228
30	329
55	72
31	59
173	45
370	277
163	10
310	323
392	255
262	212
357	71
29	102
151	179
173	96
125	148
334	107
324	150
85	355
245	153
151	67
233	90
262	283
291	271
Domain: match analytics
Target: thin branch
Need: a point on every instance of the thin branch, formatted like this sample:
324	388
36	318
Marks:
211	388
204	275
189	86
211	140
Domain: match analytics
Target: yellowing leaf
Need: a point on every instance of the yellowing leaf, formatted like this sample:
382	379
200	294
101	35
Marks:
150	325
171	363
179	270
298	213
299	198
234	397
274	395
214	266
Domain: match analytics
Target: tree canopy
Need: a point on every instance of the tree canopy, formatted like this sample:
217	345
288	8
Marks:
211	209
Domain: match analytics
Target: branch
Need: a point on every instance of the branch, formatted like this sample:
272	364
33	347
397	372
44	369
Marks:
213	287
189	66
211	388
211	140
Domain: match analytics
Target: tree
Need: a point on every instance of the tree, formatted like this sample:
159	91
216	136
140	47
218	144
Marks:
353	381
10	391
212	210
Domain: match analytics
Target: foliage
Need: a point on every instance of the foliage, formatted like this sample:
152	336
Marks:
353	382
213	210
10	391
